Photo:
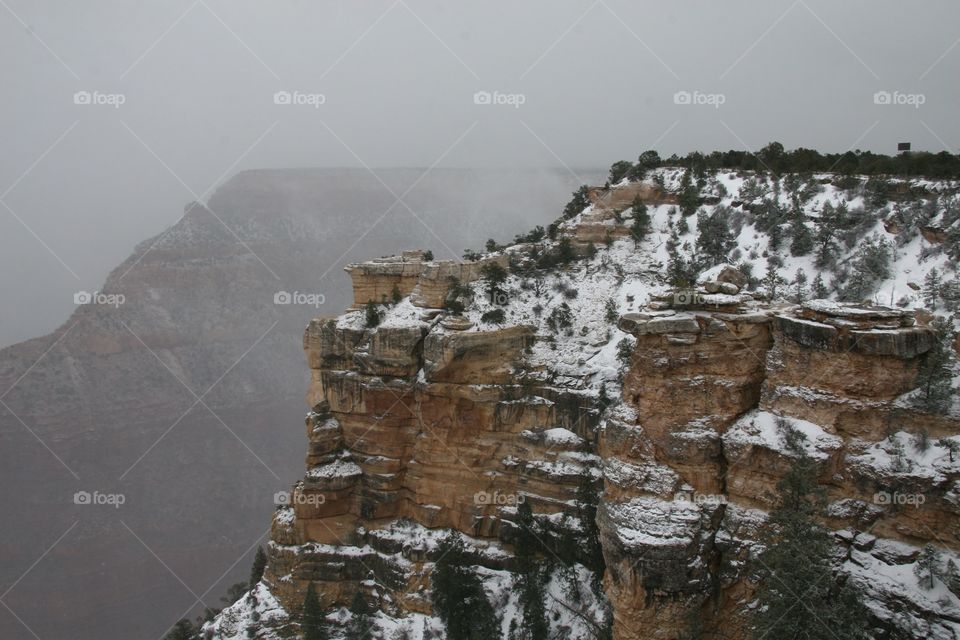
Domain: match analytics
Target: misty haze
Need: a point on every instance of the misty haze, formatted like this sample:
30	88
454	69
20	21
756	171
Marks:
592	320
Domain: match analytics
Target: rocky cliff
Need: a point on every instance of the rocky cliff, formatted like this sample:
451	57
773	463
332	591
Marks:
589	373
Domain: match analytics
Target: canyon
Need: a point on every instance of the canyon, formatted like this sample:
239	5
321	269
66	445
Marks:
113	393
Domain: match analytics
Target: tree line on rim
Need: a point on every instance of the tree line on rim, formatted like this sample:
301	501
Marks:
776	159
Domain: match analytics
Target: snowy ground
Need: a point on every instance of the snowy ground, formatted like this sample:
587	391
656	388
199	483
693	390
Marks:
258	609
569	596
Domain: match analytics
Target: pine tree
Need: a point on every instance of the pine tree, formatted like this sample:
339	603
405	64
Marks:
871	265
935	377
825	238
679	269
372	314
799	286
799	596
587	501
899	462
769	215
818	288
952	447
314	624
950	294
772	282
565	252
951	577
648	161
625	351
927	567
495	275
259	564
526	546
932	285
775	237
567	545
842	214
802	242
610	311
689	197
457	296
715	240
567	550
620	170
360	626
458	596
577	203
641	221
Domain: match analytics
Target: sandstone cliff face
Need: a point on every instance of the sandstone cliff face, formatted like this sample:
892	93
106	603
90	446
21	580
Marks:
679	410
387	444
413	421
418	425
710	392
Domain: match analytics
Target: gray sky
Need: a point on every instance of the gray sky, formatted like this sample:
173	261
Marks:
82	183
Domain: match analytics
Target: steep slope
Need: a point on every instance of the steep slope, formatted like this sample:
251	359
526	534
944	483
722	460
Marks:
179	397
604	362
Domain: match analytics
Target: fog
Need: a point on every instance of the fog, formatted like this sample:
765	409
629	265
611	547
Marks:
572	84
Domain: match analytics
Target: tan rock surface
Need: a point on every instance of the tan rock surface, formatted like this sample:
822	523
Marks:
427	424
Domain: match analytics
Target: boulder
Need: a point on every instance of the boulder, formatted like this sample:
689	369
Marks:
472	357
630	322
733	275
456	323
807	332
728	288
679	323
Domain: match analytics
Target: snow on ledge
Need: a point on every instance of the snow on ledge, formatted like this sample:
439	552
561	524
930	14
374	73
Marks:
335	469
759	428
259	608
905	455
652	522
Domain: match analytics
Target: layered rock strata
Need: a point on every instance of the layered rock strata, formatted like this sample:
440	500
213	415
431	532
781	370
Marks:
431	421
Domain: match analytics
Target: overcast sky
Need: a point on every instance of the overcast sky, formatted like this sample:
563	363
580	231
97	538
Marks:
579	84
